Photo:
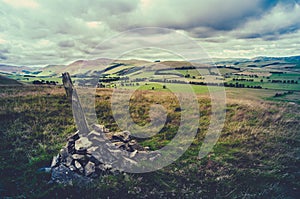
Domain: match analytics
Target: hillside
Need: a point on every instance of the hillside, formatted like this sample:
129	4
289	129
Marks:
256	155
7	81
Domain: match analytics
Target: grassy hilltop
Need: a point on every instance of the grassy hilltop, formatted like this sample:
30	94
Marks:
257	155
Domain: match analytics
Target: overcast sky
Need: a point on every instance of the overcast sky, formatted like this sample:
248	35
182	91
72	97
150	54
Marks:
41	32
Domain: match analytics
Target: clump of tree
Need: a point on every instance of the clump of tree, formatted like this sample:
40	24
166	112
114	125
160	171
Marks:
40	82
283	81
243	79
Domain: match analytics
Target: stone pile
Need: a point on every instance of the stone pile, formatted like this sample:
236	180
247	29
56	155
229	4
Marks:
99	152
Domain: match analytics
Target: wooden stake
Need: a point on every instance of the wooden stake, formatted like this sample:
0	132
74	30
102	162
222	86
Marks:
78	113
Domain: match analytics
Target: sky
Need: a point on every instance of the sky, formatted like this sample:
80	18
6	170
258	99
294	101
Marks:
42	32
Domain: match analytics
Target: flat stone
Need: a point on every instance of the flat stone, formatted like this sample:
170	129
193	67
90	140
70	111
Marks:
133	145
92	149
133	154
78	166
89	168
93	133
132	142
122	136
130	161
78	156
116	152
104	167
98	139
119	144
83	142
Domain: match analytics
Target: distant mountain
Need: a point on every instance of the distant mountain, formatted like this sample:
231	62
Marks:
90	67
51	70
293	59
97	67
15	69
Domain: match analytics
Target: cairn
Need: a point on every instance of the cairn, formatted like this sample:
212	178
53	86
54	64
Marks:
90	154
100	152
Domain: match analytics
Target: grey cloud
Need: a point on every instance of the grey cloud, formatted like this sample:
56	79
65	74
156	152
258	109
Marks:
66	44
282	19
4	53
3	57
191	14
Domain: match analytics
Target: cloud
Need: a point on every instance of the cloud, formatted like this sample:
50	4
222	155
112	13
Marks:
66	44
22	4
58	32
282	19
2	41
191	14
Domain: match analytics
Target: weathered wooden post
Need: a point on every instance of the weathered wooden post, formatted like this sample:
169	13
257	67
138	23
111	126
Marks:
78	113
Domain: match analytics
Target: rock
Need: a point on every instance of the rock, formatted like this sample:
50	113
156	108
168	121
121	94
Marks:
68	161
107	166
129	162
95	161
82	142
104	167
97	154
115	152
98	139
106	158
78	157
81	151
133	145
63	175
89	168
54	161
119	145
92	149
71	146
75	136
133	154
63	153
72	168
122	136
93	134
78	166
132	142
